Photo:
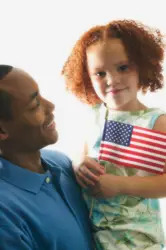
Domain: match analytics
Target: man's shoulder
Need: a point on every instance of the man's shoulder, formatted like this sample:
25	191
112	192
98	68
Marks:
56	159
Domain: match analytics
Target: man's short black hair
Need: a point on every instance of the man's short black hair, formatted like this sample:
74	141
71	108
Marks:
5	98
4	70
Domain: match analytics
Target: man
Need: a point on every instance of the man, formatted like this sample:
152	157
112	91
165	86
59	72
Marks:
40	203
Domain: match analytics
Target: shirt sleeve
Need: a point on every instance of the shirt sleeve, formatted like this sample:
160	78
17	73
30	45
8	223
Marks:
12	239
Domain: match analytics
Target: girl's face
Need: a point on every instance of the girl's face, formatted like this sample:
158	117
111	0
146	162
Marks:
114	79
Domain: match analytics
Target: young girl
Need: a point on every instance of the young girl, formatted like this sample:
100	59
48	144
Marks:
106	69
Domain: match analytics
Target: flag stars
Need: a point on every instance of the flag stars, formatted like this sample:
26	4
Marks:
118	133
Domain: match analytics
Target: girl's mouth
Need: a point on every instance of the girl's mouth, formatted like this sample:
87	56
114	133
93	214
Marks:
114	91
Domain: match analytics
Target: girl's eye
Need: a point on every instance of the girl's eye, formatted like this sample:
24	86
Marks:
124	67
101	74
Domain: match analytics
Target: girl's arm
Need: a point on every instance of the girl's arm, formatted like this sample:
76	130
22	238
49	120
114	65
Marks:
147	187
109	185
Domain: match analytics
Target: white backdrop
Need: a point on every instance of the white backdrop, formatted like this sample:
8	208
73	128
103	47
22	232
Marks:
37	35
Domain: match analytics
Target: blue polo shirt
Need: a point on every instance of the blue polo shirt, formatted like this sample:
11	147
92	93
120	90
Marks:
42	211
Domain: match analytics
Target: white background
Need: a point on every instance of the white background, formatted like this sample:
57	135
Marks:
38	35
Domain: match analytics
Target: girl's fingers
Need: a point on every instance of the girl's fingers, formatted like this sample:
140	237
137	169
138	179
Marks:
80	182
84	178
88	173
94	166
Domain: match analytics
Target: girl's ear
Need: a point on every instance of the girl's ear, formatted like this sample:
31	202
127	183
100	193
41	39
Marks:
3	134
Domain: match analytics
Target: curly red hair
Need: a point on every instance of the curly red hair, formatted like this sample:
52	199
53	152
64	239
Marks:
144	47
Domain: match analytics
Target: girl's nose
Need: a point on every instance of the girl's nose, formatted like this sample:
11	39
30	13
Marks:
112	80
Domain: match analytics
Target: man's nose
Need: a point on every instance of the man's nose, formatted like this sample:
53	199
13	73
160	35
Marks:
49	106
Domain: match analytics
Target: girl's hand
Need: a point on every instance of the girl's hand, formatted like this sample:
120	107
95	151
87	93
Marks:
107	186
88	172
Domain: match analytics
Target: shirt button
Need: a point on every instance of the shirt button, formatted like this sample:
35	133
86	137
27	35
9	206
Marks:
48	180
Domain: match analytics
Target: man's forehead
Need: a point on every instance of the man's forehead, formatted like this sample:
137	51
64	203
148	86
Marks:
16	81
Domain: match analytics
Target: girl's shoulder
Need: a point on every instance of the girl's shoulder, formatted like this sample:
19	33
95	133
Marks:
160	123
153	118
157	118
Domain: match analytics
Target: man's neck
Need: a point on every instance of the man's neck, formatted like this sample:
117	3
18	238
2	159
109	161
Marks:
30	161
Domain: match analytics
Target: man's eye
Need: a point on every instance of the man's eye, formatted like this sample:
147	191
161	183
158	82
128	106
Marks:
101	74
124	67
38	101
36	106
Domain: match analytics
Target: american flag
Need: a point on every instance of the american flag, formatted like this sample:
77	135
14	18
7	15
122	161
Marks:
133	146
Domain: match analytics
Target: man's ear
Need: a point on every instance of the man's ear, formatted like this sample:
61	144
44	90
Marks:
3	133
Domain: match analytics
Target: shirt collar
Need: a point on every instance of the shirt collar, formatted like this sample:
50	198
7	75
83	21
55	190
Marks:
21	177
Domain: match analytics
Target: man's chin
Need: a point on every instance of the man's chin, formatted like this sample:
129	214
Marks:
50	141
53	139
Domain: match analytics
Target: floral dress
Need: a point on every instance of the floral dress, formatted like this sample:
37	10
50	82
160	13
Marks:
124	222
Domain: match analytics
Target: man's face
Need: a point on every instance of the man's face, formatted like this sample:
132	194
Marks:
32	126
